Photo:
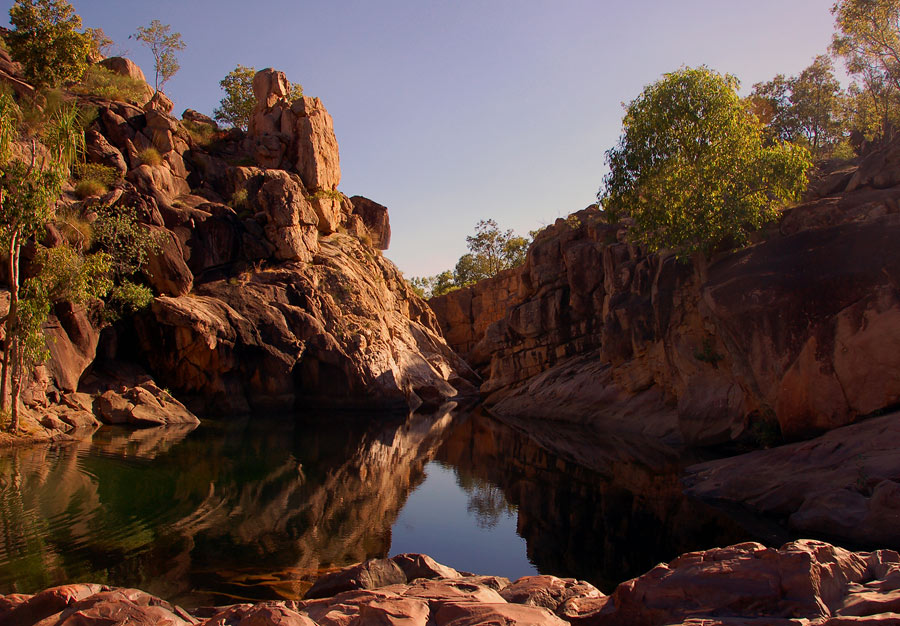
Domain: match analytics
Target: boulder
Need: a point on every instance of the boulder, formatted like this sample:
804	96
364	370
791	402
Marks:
130	69
166	269
371	574
375	217
159	102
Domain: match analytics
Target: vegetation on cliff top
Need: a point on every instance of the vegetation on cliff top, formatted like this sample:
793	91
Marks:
691	169
491	251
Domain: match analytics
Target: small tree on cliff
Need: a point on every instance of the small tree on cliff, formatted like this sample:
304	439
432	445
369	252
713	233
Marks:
236	107
691	168
163	43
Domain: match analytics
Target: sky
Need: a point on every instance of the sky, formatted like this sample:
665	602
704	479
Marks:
450	112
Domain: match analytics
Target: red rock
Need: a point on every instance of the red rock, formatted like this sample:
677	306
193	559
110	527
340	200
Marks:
371	574
423	566
47	603
262	614
472	614
549	592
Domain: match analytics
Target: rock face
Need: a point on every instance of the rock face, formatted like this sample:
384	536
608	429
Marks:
801	328
804	583
296	136
845	483
270	286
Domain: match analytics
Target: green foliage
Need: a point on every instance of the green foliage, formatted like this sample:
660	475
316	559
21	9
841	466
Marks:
100	44
807	109
690	168
68	275
103	83
432	286
202	134
867	36
128	297
332	194
47	42
96	171
163	43
118	232
239	199
151	157
490	252
236	107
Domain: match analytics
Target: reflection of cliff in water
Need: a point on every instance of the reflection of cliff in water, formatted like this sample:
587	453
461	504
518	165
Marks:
175	515
599	507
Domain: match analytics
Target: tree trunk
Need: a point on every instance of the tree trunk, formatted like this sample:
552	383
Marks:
11	319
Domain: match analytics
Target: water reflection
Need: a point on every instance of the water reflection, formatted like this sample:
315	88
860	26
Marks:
258	509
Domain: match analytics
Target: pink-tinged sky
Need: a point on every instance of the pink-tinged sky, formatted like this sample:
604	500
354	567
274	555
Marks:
453	111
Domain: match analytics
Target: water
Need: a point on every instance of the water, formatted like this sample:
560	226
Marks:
258	509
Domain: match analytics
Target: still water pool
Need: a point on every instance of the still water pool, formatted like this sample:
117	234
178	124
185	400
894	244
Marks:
257	509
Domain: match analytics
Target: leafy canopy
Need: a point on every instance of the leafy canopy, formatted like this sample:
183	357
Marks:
163	43
491	251
691	168
236	107
47	42
808	108
867	36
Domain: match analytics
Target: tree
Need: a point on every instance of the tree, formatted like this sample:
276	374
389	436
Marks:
868	38
808	108
691	169
28	193
490	252
163	44
770	102
816	103
236	107
47	42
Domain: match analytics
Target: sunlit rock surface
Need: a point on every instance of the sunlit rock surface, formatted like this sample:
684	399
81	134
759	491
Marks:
804	582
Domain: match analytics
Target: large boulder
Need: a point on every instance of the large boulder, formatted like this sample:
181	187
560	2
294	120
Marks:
375	217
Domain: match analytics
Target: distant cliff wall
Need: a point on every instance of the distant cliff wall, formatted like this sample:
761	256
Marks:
802	327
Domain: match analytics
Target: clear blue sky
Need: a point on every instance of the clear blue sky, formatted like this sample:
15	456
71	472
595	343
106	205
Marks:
451	112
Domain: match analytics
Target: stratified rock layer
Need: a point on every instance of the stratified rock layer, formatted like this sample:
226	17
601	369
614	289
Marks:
804	583
802	327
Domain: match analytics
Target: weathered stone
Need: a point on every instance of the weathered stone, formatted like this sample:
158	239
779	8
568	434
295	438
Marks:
159	102
375	217
844	483
423	566
166	270
318	159
372	574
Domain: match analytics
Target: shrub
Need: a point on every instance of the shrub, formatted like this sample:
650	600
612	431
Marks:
239	199
103	83
332	194
88	187
77	230
202	134
151	157
96	171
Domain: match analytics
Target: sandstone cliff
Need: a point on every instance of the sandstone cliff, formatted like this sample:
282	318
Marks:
802	327
271	288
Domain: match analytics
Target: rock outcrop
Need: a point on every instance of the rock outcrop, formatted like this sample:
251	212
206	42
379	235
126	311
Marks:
800	328
803	583
271	287
844	484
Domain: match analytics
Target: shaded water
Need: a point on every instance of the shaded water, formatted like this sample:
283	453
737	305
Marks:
258	509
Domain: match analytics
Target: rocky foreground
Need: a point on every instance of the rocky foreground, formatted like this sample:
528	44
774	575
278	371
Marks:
804	582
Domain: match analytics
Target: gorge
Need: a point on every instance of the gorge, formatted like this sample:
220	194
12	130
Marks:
640	409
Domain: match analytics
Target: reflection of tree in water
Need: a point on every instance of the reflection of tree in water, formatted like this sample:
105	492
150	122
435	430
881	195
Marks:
486	500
